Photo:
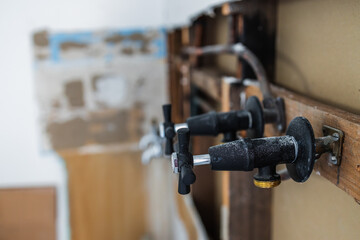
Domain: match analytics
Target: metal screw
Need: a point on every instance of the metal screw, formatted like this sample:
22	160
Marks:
335	136
333	159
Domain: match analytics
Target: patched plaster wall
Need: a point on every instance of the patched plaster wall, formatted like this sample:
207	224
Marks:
22	162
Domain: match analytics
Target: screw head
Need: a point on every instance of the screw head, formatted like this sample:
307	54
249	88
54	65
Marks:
174	162
333	159
335	136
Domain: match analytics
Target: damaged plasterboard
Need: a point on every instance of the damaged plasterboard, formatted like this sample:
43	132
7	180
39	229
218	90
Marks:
100	87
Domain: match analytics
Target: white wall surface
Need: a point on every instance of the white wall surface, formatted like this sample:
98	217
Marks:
21	163
178	13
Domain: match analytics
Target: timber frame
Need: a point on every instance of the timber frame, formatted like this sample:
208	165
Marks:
197	85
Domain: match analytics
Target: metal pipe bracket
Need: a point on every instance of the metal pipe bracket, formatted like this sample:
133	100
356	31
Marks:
334	144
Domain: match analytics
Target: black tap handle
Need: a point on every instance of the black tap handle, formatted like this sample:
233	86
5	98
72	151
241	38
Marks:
247	154
169	130
167	112
229	137
187	175
296	149
183	140
168	147
183	189
186	162
214	123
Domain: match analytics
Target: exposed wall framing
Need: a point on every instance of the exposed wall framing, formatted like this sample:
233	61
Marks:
192	91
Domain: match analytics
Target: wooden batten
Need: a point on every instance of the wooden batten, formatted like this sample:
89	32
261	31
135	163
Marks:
204	81
249	206
347	175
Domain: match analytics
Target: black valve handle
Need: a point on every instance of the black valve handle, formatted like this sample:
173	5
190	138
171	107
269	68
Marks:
266	176
247	154
252	119
169	129
253	106
303	132
185	162
296	149
213	123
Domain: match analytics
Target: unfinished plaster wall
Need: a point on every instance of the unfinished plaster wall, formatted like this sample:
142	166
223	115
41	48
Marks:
318	55
99	91
22	163
99	87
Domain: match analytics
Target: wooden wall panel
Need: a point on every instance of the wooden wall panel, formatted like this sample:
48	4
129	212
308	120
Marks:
107	195
318	50
28	214
314	210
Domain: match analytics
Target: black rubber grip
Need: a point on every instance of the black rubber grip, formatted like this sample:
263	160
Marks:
168	129
184	140
169	149
247	154
187	175
183	189
213	123
167	112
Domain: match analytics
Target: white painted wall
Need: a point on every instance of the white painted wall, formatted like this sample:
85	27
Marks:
22	163
178	13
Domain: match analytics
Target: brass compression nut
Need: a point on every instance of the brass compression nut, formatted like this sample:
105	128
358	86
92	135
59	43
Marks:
267	184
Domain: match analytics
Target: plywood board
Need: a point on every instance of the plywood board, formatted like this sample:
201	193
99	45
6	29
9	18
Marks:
314	210
28	213
107	195
318	50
